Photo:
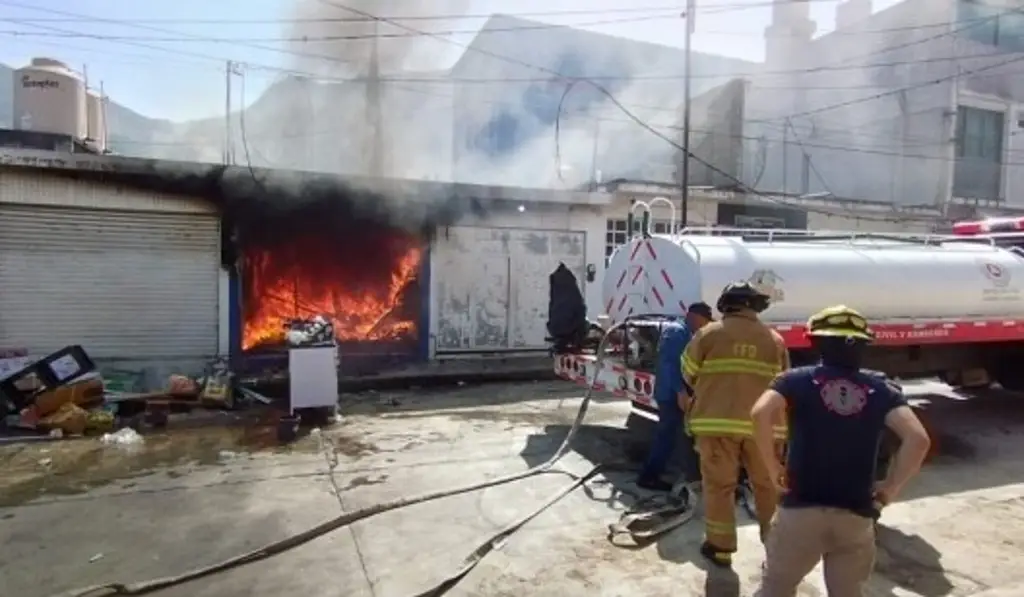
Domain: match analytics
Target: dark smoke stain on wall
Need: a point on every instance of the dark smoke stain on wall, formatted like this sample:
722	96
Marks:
256	199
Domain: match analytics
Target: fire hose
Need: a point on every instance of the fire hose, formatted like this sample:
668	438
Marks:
656	520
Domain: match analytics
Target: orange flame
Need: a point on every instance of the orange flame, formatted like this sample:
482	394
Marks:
297	282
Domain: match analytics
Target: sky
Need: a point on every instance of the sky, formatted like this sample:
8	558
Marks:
166	58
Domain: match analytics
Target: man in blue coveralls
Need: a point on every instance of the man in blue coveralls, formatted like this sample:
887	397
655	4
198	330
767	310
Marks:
668	385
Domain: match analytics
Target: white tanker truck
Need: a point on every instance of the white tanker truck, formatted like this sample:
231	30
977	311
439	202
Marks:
945	306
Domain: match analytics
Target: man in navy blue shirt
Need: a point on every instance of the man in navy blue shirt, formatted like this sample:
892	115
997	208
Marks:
830	500
668	385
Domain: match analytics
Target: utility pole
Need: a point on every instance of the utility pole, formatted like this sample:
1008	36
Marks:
373	107
229	157
685	178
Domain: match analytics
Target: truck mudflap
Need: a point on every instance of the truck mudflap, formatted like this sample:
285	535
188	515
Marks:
614	378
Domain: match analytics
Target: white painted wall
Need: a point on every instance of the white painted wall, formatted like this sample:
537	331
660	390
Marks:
543	220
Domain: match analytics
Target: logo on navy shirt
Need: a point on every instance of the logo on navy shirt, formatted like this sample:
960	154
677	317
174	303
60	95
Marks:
843	397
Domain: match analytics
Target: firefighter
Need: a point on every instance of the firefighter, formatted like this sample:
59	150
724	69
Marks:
729	364
668	387
830	500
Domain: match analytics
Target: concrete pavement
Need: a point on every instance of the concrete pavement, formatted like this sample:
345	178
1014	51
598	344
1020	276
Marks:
79	513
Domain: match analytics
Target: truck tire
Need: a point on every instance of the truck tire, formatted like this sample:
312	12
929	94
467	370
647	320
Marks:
1011	378
1007	368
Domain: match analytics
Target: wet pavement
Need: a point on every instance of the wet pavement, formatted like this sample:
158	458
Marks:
77	512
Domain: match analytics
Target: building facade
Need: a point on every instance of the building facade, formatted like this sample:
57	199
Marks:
919	104
506	109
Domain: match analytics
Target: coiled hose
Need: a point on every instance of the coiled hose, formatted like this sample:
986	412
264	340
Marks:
493	542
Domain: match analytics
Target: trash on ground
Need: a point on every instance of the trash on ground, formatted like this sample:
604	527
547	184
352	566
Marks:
63	395
124	437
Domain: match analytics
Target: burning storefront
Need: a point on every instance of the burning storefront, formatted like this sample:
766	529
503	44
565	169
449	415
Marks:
413	275
363	276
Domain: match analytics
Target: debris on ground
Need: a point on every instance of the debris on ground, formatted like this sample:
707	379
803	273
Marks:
124	437
64	395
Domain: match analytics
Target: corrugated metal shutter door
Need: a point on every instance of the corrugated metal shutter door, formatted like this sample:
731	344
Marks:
132	285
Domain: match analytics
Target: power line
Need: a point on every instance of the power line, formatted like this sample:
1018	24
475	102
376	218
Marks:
431	17
892	92
501	80
809	161
138	41
320	38
626	111
632	116
709	8
147	60
446	80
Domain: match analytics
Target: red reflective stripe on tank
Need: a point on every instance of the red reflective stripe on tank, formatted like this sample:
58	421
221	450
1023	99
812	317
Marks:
622	303
924	333
608	307
682	305
630	312
636	276
668	280
622	279
636	250
657	295
650	249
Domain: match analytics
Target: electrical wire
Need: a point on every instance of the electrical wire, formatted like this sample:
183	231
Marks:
807	158
321	38
604	91
410	31
893	92
808	144
626	111
504	80
740	185
702	8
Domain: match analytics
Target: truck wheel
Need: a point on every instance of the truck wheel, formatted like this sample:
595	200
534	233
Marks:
1011	378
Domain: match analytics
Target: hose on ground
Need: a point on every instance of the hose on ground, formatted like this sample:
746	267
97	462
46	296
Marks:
493	542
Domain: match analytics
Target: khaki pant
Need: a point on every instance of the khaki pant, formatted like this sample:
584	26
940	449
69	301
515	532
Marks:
720	461
801	537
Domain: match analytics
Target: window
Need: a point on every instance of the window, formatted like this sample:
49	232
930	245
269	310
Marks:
615	234
978	171
978	21
989	23
979	134
1011	31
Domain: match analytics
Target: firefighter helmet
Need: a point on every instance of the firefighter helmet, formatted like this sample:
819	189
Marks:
839	321
742	295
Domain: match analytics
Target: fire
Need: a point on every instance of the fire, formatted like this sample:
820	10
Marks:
365	290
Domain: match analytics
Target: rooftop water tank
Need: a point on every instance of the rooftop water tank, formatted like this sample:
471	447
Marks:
50	97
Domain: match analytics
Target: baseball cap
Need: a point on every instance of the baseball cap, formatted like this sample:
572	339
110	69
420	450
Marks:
702	309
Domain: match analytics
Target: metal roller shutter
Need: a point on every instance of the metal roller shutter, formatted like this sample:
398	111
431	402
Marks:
126	285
